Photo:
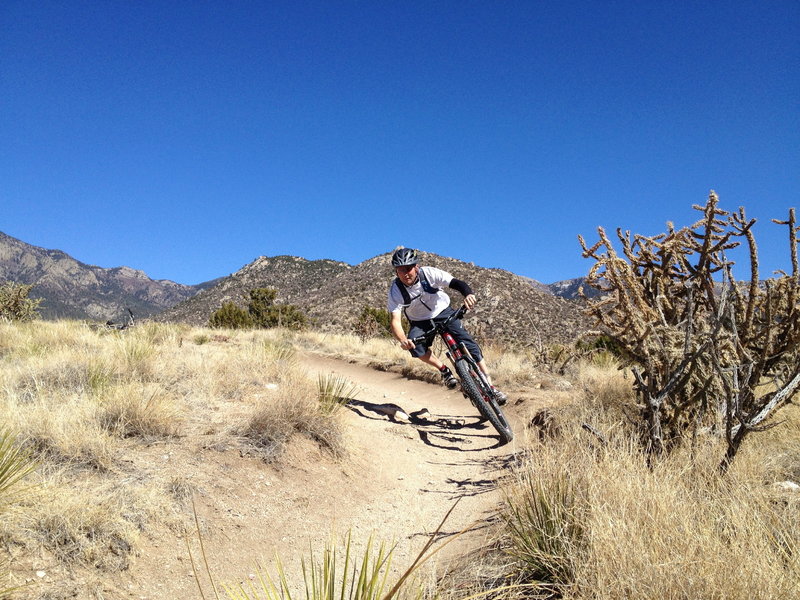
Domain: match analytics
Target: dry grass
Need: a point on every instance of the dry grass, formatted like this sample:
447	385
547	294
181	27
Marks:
293	409
593	521
89	521
85	402
508	368
590	518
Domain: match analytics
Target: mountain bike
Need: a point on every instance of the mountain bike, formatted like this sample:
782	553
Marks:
474	384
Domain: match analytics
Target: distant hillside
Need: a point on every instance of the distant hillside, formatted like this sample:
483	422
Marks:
294	279
332	293
72	289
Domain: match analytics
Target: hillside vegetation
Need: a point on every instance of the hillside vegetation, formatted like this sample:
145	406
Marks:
122	424
511	311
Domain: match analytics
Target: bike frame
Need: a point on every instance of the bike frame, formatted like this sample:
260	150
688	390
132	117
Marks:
456	351
474	383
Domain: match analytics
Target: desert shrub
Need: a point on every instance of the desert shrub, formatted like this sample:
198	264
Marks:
373	322
291	410
262	311
261	300
230	316
700	348
15	305
265	313
285	315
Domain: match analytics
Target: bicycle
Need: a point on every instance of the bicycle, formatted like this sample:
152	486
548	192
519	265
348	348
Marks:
474	384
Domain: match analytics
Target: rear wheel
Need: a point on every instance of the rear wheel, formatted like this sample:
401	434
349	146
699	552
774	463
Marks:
483	399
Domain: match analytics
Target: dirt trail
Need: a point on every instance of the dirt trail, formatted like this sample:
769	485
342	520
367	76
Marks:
396	484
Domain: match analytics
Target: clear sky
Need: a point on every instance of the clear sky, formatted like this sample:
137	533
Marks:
186	138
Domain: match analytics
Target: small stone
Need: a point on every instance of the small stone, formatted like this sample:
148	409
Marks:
786	486
401	416
40	574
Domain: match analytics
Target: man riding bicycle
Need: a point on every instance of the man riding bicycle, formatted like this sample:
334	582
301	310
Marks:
417	292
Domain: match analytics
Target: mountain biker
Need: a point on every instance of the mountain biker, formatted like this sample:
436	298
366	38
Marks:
417	292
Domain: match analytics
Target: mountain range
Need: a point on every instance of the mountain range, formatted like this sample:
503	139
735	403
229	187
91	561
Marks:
512	308
70	289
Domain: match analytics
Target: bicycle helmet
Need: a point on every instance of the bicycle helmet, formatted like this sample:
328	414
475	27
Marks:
404	256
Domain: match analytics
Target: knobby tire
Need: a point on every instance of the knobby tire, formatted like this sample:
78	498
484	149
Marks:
483	401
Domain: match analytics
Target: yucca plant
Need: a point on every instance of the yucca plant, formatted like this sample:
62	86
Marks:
327	578
15	463
547	531
367	579
334	392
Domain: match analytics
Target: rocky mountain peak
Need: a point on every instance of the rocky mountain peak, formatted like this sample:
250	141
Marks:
72	289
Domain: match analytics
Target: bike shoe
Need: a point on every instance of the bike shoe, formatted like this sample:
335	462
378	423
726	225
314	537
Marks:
447	377
500	397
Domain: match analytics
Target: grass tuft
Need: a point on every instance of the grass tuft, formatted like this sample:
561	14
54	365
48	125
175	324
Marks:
334	392
547	530
139	410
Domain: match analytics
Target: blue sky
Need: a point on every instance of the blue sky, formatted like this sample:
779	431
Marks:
187	138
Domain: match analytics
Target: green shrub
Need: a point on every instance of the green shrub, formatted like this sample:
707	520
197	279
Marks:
261	312
261	301
15	304
230	316
265	313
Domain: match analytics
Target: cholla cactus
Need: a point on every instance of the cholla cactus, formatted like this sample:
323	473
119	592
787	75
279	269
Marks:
701	343
15	304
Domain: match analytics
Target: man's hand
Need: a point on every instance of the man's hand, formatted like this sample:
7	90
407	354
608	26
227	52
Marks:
470	301
397	330
407	344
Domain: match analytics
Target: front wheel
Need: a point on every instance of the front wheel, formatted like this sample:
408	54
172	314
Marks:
483	399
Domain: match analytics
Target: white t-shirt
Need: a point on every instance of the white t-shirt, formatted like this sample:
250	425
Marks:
423	305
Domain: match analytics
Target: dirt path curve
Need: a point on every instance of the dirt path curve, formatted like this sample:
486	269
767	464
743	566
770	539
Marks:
413	473
395	485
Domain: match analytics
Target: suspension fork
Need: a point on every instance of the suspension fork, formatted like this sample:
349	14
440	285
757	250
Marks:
453	351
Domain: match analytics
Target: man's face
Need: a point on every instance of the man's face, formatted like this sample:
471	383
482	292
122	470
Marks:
407	274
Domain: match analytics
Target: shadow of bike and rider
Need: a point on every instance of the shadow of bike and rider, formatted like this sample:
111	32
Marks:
461	433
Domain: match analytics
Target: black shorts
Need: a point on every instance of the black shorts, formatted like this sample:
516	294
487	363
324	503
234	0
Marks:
455	328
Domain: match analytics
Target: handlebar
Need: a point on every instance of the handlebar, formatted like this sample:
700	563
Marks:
439	327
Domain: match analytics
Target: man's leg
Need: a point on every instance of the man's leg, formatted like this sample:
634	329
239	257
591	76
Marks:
432	360
447	375
462	335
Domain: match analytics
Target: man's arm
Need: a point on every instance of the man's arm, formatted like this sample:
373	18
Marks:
397	330
463	288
